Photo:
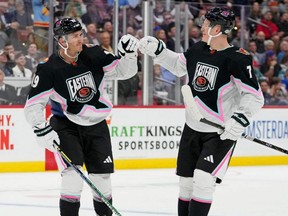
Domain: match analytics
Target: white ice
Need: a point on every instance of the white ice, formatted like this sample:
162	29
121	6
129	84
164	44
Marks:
245	191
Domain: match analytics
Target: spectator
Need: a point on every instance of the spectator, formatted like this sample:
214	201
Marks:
194	35
183	13
160	94
284	80
91	34
274	8
283	25
19	70
128	91
158	12
283	50
167	20
161	35
137	22
264	84
80	7
3	64
32	57
22	94
3	36
8	21
168	82
254	17
257	58
72	10
171	41
108	26
41	23
10	53
105	41
22	17
267	26
7	92
283	7
130	30
259	40
91	15
278	92
237	39
269	45
198	21
270	68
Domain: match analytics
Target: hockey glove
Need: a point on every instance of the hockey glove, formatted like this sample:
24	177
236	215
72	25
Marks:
234	127
128	46
151	46
45	136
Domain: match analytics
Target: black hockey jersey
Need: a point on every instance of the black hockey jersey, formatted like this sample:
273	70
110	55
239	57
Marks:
222	82
76	90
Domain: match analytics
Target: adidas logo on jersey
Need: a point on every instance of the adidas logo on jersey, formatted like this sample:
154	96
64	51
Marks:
209	158
108	160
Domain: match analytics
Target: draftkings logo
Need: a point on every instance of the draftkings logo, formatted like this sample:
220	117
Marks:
81	88
204	77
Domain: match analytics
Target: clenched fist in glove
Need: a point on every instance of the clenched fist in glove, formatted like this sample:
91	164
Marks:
46	136
234	127
151	46
128	46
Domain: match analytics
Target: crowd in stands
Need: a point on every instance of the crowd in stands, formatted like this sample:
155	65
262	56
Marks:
24	40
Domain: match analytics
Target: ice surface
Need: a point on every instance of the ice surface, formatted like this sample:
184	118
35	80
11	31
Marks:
245	191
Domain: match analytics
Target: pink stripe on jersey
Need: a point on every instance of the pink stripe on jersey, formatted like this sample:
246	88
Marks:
182	58
248	88
202	200
225	159
86	108
77	198
184	199
111	66
60	160
104	100
63	101
39	96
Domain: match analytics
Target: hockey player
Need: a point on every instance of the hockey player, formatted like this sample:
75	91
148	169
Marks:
72	81
225	89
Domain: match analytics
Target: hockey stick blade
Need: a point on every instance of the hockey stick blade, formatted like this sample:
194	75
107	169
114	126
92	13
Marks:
191	106
82	175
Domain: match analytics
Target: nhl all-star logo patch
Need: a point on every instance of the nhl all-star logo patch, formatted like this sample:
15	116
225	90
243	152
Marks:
81	88
204	77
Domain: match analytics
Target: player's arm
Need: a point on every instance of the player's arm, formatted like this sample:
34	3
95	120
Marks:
126	66
38	97
172	61
252	98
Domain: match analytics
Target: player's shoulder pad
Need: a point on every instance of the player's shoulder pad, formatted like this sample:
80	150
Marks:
242	51
199	46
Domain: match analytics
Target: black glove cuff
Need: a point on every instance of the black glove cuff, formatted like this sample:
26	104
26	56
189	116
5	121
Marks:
241	119
160	48
43	131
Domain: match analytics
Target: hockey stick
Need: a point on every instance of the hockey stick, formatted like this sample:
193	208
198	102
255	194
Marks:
191	106
82	175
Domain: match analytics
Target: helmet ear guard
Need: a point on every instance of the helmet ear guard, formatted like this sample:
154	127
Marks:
223	17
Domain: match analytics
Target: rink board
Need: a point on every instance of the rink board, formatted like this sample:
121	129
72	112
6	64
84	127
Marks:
141	138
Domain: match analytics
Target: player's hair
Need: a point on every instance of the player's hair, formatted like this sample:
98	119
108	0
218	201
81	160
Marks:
223	17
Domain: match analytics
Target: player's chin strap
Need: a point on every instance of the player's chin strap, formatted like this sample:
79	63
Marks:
212	36
65	51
